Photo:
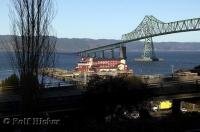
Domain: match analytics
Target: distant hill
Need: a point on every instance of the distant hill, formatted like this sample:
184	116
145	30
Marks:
69	45
77	44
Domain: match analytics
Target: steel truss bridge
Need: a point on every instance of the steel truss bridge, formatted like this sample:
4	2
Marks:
147	29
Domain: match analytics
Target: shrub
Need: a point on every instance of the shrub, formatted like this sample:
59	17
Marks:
114	84
10	82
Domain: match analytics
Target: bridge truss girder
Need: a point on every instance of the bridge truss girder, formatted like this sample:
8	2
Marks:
148	28
157	27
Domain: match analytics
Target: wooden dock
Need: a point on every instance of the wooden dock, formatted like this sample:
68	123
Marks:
64	75
77	77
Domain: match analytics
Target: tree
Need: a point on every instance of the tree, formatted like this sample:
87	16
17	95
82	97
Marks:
32	44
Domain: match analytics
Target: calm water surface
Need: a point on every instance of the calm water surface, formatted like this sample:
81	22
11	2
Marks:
178	60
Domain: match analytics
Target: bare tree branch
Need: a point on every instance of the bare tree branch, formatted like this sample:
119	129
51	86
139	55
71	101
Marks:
33	46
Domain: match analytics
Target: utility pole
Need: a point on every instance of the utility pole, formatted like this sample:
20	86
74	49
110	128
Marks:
172	70
85	78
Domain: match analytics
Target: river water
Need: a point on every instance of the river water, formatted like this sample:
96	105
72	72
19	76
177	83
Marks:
176	60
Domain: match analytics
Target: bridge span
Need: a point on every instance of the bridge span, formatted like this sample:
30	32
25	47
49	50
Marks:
147	29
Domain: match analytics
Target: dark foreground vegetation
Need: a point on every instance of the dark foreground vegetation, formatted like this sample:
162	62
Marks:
82	122
179	123
103	109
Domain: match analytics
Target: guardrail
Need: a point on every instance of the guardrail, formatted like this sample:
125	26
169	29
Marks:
8	87
45	85
149	85
55	84
170	83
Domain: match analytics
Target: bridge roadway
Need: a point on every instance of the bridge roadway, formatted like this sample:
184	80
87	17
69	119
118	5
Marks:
69	99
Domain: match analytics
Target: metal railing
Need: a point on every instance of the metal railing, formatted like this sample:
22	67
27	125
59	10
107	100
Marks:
45	85
173	83
55	84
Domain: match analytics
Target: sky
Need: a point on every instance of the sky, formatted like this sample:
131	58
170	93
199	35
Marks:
109	19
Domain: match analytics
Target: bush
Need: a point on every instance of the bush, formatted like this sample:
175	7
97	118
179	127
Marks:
111	84
10	82
197	67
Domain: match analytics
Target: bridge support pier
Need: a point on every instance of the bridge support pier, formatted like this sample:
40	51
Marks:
86	54
102	54
81	54
149	53
112	53
94	55
176	106
122	52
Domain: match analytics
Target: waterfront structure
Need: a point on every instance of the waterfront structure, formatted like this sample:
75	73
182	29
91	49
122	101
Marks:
94	65
147	29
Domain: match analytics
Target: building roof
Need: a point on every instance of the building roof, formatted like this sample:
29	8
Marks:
106	59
